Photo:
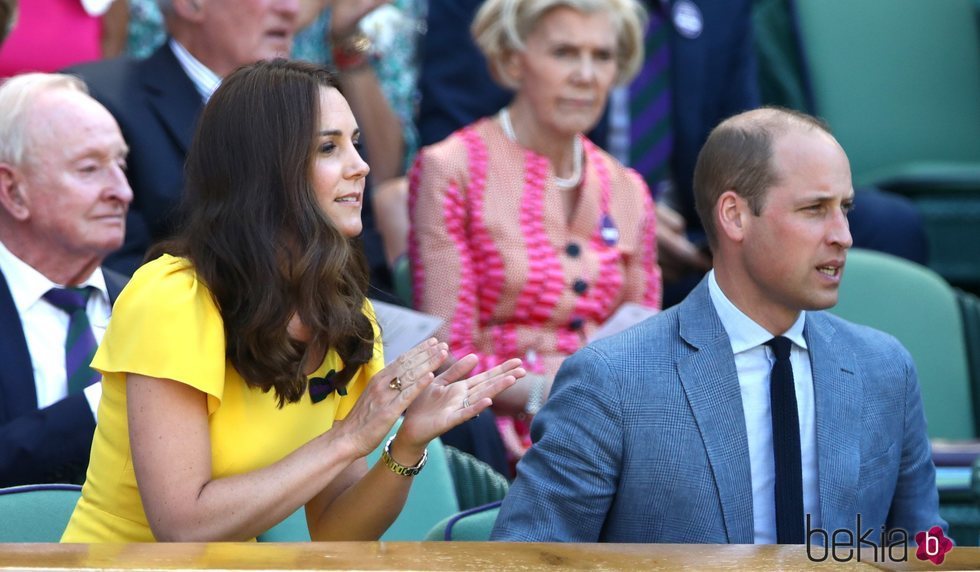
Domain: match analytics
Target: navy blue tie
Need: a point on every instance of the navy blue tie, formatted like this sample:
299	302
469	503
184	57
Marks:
786	446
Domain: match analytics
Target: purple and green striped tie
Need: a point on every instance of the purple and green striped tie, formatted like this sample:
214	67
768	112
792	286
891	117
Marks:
651	134
80	343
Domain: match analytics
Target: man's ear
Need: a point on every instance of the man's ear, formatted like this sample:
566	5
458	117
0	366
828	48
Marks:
731	214
13	198
192	10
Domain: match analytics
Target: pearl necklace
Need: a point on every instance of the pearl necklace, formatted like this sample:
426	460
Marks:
570	182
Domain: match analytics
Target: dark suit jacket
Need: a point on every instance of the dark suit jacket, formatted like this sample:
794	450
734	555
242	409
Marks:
713	77
156	106
643	438
47	445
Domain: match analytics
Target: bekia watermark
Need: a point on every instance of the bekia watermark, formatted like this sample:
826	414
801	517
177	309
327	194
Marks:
889	545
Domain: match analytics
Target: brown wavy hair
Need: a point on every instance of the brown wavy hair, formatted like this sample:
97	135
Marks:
256	234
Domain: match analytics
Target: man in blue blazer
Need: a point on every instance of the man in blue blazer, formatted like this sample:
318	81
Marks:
667	432
63	203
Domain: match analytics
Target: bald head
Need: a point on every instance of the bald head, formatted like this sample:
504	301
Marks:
738	156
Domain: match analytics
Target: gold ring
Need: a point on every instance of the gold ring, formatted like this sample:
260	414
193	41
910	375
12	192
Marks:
395	384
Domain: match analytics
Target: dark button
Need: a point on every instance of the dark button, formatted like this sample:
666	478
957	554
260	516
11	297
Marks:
580	286
573	250
576	323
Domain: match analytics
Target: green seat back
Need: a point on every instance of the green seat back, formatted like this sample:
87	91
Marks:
431	499
36	513
897	80
476	482
473	525
918	307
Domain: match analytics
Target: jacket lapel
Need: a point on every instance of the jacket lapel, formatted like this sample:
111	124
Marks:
837	390
711	384
172	95
17	392
114	283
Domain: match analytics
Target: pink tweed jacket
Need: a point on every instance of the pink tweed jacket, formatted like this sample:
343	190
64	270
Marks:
493	253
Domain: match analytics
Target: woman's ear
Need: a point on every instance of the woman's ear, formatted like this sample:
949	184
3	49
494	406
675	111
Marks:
509	69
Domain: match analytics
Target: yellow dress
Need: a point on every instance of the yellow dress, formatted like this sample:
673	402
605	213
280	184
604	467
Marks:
165	324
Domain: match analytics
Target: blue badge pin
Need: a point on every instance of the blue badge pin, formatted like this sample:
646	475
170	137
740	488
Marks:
687	19
608	231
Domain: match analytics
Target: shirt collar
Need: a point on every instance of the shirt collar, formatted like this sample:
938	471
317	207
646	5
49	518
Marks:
743	332
27	285
205	80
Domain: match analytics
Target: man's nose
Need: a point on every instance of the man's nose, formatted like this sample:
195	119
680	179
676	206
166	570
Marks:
840	231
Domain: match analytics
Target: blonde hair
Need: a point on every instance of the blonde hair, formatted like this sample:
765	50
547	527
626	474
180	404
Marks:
502	26
16	95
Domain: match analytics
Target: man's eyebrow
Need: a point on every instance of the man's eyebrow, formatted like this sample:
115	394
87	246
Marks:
88	152
824	197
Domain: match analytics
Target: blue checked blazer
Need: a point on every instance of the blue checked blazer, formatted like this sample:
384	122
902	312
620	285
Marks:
643	438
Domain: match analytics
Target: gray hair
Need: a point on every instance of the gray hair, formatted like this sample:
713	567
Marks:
502	26
16	95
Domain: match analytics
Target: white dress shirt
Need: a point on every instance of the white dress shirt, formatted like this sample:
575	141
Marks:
205	80
46	326
753	362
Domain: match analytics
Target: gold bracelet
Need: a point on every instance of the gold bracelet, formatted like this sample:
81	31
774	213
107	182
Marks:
397	467
352	53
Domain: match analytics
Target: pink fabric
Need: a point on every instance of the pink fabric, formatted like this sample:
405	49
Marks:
488	247
489	250
50	35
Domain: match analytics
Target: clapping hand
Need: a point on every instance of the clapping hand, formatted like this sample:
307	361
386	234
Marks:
450	399
389	394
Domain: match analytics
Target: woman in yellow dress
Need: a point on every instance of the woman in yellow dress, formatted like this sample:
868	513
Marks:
242	370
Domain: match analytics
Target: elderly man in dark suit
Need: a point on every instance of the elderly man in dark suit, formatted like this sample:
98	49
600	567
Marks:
63	203
157	100
744	414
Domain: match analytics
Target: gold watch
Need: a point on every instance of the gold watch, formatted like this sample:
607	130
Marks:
397	467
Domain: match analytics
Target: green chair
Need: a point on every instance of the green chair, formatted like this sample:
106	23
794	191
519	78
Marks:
473	525
898	82
431	499
36	513
918	307
476	483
